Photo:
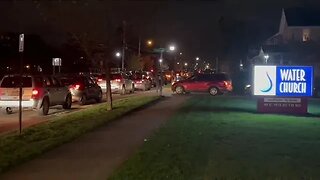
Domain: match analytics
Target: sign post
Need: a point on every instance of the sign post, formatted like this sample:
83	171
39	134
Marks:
56	62
283	89
21	49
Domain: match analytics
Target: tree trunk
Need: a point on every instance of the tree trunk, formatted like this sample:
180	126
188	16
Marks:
108	85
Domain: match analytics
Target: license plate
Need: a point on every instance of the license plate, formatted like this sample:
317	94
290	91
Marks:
13	92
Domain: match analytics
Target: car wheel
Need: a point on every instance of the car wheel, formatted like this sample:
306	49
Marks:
7	110
214	91
44	108
123	90
68	102
83	100
99	98
179	90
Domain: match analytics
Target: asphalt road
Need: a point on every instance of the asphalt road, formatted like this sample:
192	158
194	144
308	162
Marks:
10	122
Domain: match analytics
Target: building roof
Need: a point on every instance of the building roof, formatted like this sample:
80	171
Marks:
302	17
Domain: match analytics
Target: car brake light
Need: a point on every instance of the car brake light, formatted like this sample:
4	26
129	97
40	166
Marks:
77	86
99	80
35	92
118	80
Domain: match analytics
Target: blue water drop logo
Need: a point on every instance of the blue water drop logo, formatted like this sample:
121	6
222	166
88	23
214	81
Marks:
270	85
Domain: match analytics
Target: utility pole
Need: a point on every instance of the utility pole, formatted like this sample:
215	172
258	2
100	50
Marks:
139	48
21	50
123	44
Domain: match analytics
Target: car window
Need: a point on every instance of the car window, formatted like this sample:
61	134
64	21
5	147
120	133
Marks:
38	81
221	77
65	81
116	76
47	82
14	82
85	81
56	82
91	82
200	78
136	76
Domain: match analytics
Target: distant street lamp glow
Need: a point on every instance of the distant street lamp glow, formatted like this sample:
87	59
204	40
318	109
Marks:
160	60
197	58
181	53
266	58
178	63
185	64
118	54
172	48
149	42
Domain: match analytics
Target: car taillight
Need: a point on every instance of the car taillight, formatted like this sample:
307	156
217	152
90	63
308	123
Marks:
118	80
139	82
99	80
76	87
35	92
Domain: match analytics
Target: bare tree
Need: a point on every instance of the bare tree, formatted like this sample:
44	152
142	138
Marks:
89	25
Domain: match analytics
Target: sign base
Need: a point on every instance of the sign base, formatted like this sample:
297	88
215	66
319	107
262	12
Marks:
286	105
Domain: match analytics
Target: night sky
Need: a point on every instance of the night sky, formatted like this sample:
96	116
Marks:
198	28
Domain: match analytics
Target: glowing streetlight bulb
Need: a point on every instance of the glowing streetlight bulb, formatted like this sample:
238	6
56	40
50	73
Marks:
197	58
172	48
118	54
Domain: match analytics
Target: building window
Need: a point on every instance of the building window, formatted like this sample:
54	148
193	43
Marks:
305	35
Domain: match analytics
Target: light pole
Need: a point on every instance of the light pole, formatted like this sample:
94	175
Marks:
123	44
159	75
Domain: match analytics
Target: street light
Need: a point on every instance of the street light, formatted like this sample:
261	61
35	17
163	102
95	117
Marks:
160	60
118	54
266	57
178	63
149	43
197	58
172	48
181	53
185	64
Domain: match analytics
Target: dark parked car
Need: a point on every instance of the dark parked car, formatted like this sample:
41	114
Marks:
213	83
82	88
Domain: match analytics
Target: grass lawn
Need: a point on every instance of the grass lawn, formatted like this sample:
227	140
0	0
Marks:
224	138
36	140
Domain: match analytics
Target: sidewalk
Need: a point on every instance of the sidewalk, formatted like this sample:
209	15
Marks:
97	154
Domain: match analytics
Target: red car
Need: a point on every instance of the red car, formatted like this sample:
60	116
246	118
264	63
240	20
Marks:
213	83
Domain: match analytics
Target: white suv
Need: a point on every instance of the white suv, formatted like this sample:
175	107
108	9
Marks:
39	92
